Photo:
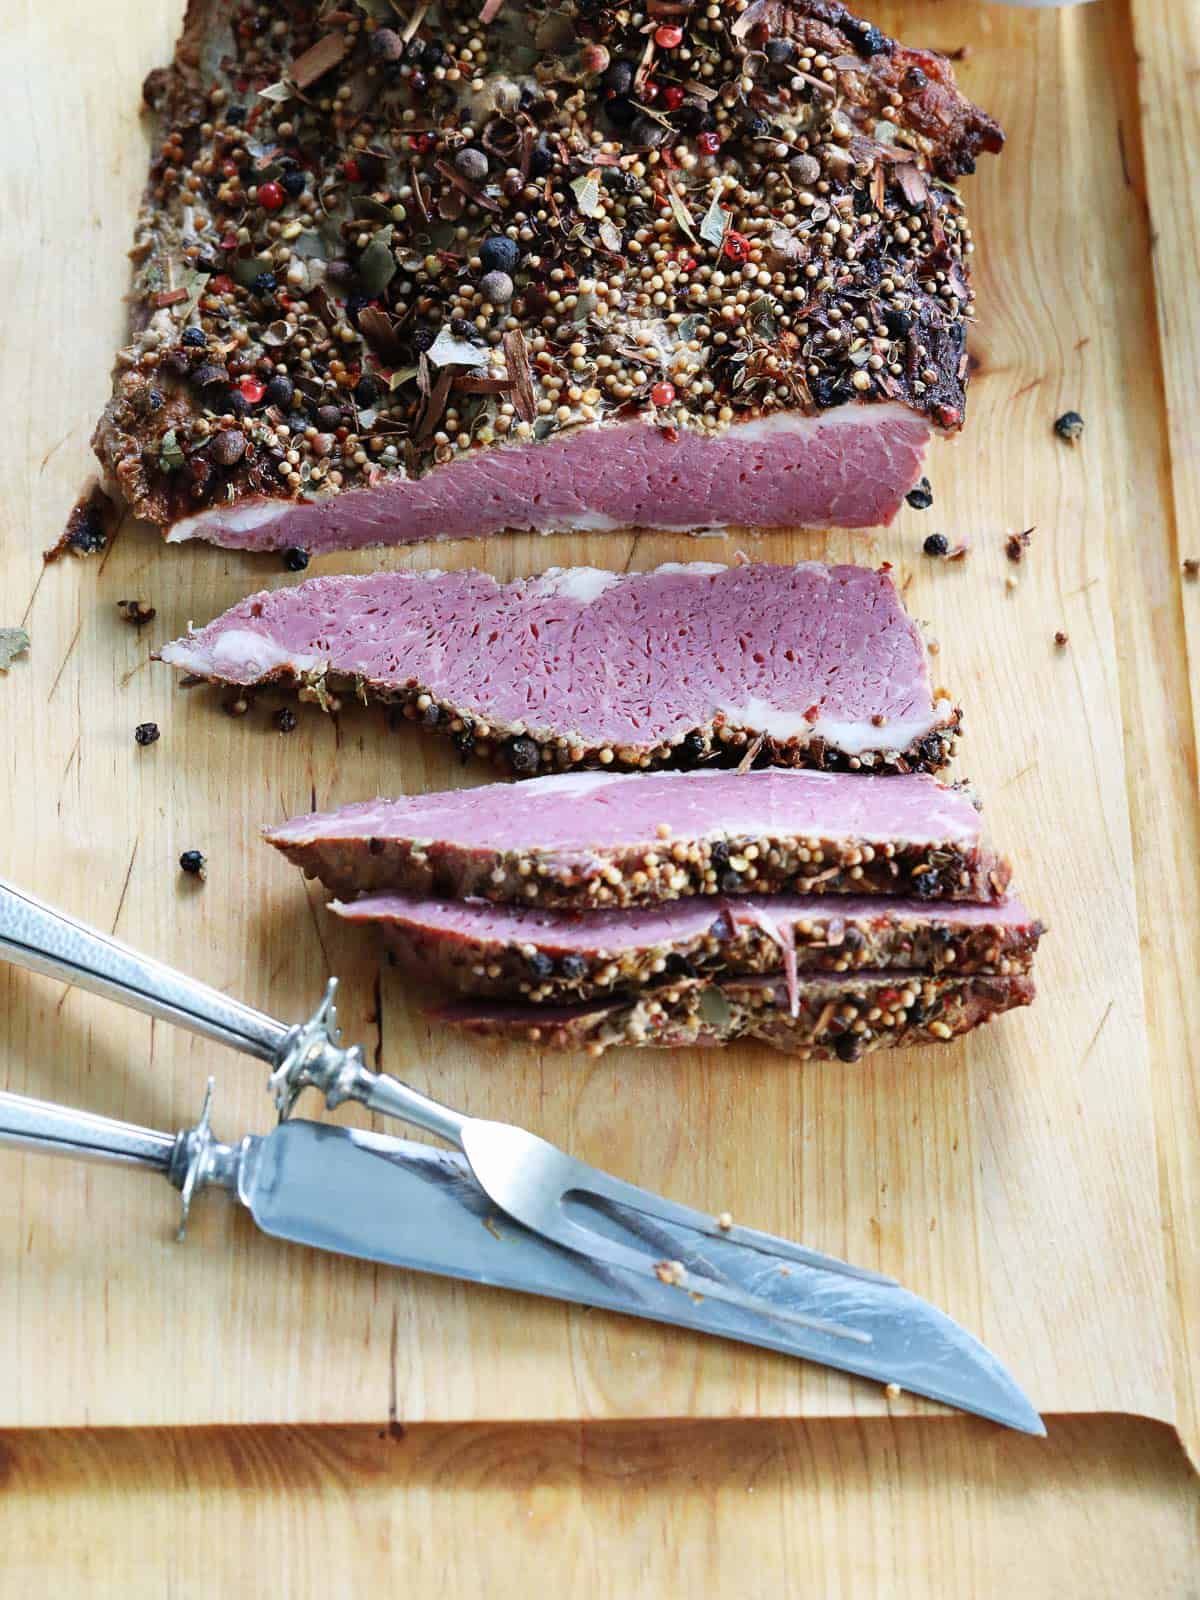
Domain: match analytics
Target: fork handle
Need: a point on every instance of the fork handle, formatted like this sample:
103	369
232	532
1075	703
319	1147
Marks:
34	936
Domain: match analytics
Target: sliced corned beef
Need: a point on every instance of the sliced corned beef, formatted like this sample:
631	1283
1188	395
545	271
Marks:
556	957
596	839
847	468
842	1017
676	666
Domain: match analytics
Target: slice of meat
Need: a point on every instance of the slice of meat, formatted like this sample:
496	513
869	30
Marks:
676	666
848	468
556	957
597	839
376	301
837	1017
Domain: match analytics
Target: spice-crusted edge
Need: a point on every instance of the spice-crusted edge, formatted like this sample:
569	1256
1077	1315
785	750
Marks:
644	875
676	1017
526	752
952	129
541	972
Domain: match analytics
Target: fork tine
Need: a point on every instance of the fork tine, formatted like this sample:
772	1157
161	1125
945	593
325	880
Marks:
604	1186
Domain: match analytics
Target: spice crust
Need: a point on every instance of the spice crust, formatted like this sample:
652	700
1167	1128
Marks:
368	250
837	1019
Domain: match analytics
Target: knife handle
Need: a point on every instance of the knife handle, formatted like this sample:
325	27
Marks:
56	1130
34	936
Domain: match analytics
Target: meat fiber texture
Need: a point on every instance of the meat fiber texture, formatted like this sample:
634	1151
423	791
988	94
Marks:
577	666
598	839
836	1017
554	957
850	468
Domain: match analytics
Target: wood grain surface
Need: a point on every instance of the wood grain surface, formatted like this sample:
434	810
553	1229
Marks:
920	1509
1015	1180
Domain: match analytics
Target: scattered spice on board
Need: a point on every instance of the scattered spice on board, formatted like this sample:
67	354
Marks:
936	544
13	642
959	552
146	733
1061	639
295	560
135	613
893	1391
920	497
192	863
1016	544
89	526
670	1272
285	719
236	707
1191	568
1069	426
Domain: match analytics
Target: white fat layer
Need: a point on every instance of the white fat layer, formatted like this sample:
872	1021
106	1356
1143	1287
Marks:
694	569
584	584
238	653
239	519
855	415
853	738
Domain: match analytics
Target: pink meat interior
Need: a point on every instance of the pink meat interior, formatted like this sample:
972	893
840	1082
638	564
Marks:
577	813
792	651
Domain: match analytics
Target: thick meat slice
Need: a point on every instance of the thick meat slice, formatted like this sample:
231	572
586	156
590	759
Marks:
460	275
557	957
675	666
848	468
597	839
836	1017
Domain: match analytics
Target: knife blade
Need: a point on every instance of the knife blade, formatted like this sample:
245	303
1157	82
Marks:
407	1205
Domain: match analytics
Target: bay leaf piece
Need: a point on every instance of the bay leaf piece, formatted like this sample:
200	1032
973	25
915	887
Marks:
13	643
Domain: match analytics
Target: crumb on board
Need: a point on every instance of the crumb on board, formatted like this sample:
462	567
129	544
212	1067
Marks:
892	1391
725	1221
672	1273
14	642
1061	639
1191	568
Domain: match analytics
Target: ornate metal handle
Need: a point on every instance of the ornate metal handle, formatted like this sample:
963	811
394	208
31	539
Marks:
33	935
191	1160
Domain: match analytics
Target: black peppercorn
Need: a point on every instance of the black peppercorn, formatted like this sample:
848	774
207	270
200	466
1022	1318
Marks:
146	733
920	496
936	545
1069	426
366	392
540	966
572	966
295	560
777	51
235	115
618	79
758	127
620	111
294	182
235	402
499	253
928	885
849	1047
328	418
280	391
523	756
285	719
423	340
462	328
195	337
264	283
192	862
541	159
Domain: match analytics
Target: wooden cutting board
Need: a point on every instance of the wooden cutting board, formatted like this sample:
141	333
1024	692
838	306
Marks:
1014	1179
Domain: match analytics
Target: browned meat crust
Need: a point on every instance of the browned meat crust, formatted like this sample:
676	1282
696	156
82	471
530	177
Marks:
834	1019
537	970
619	878
311	217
